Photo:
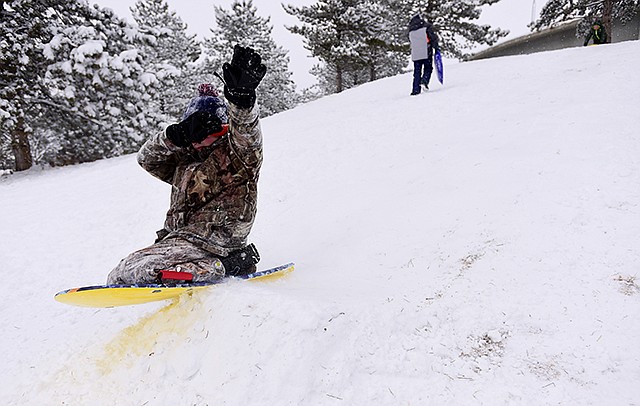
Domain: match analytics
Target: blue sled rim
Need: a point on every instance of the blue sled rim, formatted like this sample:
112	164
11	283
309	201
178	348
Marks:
439	67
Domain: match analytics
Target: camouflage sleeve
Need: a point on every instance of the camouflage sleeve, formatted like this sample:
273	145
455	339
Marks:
245	132
159	157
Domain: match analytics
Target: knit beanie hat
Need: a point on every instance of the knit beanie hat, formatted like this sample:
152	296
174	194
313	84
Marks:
207	100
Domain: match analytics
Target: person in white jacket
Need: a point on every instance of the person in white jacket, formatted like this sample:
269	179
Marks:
424	42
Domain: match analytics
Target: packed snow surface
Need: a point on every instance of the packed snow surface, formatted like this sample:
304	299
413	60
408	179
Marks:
477	244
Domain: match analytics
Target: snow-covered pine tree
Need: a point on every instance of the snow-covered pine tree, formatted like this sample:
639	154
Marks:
98	80
23	30
327	79
172	48
452	19
74	83
333	31
558	11
242	26
356	41
382	53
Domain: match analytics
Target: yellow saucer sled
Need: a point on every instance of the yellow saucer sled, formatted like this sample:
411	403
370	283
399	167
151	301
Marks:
125	295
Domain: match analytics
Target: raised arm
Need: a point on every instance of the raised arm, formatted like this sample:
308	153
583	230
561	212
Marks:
242	76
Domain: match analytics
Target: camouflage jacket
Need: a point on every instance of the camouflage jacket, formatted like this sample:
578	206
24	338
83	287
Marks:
214	190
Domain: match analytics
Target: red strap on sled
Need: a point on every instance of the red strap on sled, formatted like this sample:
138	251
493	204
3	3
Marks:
175	275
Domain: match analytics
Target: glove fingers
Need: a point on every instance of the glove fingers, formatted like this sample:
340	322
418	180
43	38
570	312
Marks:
254	77
243	75
254	60
245	57
231	74
202	124
260	72
250	77
237	50
240	55
177	133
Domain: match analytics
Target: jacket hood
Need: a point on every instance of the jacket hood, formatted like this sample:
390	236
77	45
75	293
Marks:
416	23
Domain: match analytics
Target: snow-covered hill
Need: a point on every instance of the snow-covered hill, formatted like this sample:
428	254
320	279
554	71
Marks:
477	244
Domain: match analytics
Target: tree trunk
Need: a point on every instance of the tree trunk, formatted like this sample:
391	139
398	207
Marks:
339	81
607	12
20	147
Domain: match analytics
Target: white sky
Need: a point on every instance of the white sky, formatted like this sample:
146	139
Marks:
513	15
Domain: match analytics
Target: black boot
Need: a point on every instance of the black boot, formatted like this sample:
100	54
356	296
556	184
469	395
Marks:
242	261
425	83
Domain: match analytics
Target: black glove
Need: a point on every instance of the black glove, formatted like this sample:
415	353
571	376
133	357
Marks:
242	76
194	128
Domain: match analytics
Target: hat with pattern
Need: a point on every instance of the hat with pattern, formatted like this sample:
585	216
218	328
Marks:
207	100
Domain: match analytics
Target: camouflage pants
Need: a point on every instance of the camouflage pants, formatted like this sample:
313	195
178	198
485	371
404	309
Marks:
174	254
